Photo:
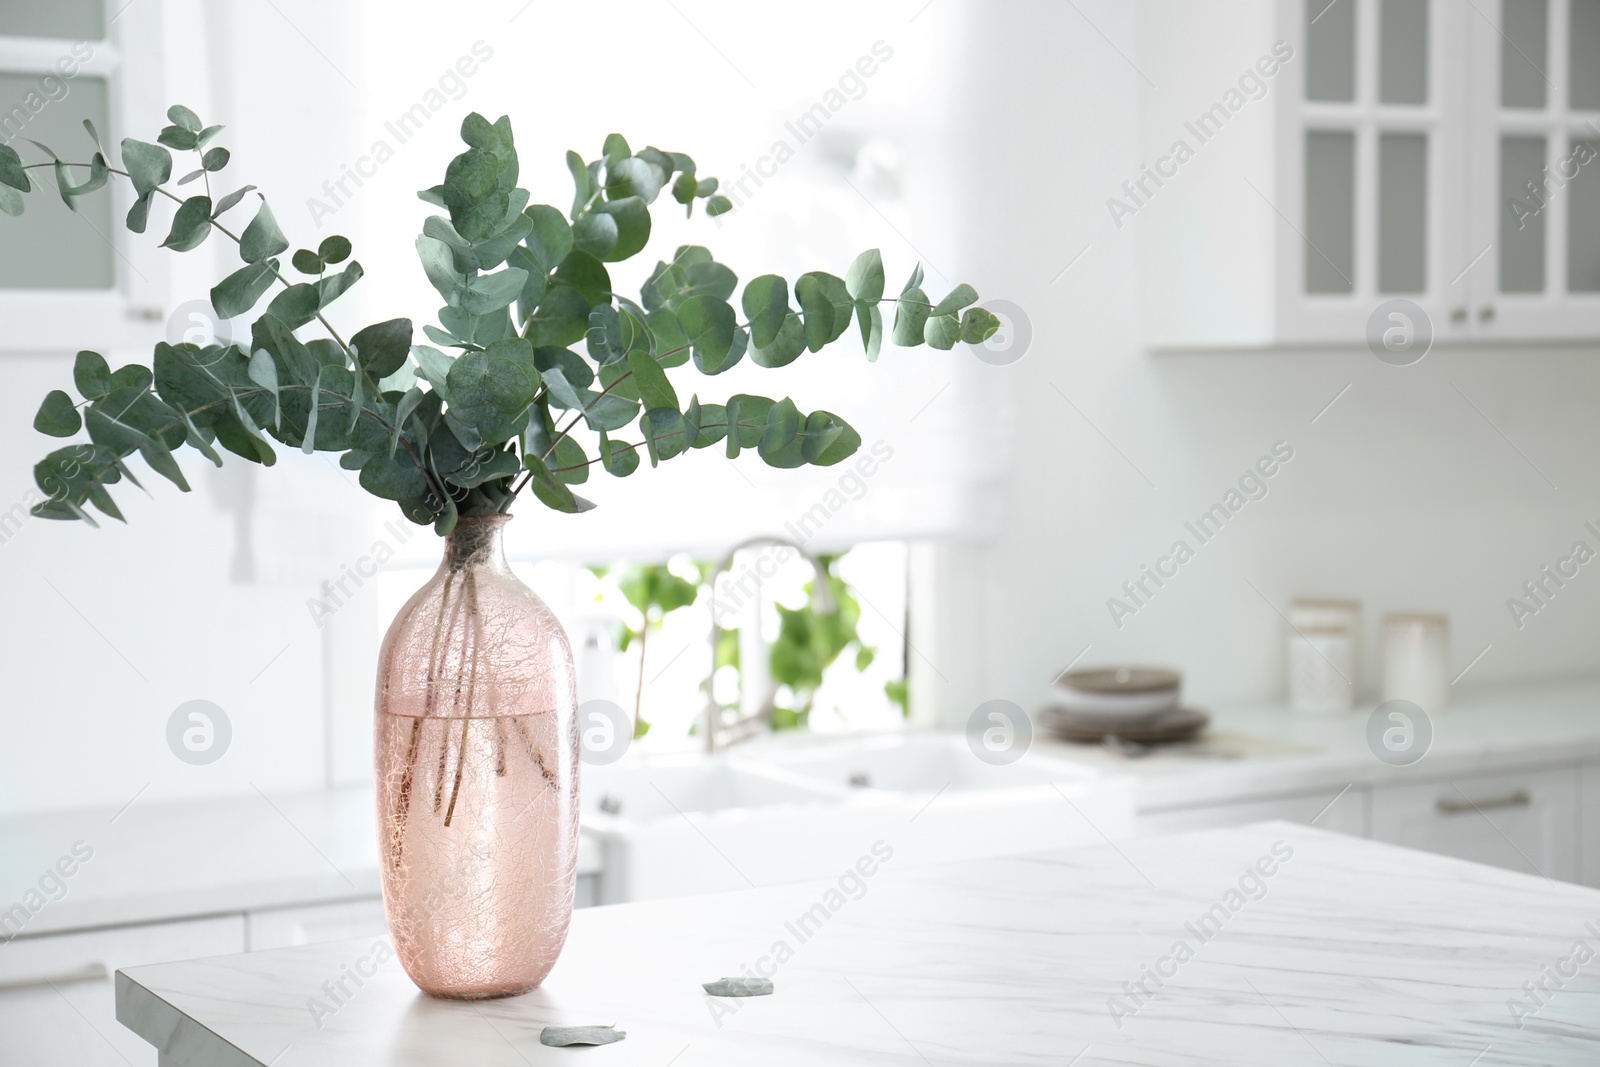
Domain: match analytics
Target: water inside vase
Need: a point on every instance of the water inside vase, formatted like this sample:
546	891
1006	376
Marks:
477	822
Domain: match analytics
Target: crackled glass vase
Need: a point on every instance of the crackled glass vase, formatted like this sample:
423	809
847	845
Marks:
477	776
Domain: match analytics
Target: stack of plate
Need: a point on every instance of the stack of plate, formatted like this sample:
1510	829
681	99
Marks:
1134	703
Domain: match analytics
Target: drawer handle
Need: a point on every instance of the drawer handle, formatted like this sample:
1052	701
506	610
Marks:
1452	806
94	972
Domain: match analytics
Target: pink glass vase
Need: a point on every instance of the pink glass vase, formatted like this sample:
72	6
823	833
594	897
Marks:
477	776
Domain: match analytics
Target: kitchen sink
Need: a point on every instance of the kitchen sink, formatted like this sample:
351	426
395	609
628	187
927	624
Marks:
793	809
914	763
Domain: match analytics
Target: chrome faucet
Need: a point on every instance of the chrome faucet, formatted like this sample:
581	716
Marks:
720	734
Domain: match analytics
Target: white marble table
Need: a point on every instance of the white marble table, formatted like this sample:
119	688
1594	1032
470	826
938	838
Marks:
1348	952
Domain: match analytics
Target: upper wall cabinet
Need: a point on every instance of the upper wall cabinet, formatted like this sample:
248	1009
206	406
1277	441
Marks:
78	279
1347	153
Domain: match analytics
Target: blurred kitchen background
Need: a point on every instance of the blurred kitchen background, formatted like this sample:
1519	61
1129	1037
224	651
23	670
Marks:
1171	318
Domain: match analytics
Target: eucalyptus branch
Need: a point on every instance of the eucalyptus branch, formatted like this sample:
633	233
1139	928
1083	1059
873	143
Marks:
469	422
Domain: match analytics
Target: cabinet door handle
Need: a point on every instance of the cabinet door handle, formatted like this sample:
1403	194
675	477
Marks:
1452	806
94	972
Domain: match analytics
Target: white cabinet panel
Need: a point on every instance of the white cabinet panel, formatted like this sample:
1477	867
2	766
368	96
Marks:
1589	823
57	1006
1345	815
1525	821
345	919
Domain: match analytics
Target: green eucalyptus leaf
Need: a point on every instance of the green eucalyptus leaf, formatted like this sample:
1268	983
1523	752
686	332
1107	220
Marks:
488	293
712	425
58	416
780	444
550	491
11	170
958	298
334	249
381	349
183	117
718	205
232	199
395	477
586	274
313	415
179	138
710	325
747	421
439	265
215	159
655	391
296	305
633	177
138	214
827	306
264	372
574	370
870	317
148	165
665	434
561	319
615	148
307	262
620	458
262	239
190	225
92	375
766	305
630	219
978	325
942	331
910	315
549	239
568	462
864	279
785	347
583	185
334	286
239	291
828	439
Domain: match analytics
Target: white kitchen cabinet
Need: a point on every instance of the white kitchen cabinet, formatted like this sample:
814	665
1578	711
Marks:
56	997
1589	823
338	921
1526	821
1341	812
1347	153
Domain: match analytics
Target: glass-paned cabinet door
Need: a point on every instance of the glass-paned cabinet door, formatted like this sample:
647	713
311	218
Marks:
1368	153
74	279
1535	195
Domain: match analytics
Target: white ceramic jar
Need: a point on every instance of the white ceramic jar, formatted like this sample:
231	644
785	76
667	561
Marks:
1323	638
1416	659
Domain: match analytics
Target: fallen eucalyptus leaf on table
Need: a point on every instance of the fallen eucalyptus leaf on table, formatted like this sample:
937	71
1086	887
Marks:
561	1036
739	987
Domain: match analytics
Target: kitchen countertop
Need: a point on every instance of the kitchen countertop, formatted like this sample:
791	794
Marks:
153	862
1336	949
1487	728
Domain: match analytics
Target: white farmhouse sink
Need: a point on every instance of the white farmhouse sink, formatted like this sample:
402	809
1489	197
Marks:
796	809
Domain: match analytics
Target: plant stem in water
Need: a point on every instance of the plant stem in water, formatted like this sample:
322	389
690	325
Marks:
472	685
409	774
